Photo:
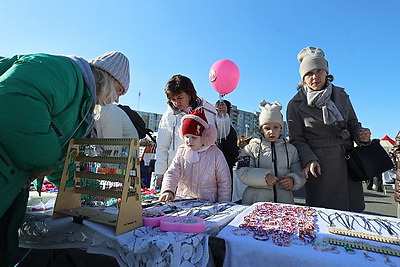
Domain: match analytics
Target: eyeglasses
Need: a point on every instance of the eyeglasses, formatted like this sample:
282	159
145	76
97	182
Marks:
317	72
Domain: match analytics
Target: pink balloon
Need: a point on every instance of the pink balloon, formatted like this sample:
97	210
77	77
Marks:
224	76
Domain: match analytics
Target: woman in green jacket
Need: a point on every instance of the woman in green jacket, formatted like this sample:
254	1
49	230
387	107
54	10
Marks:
45	100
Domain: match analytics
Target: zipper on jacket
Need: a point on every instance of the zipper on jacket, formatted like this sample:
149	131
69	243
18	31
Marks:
275	169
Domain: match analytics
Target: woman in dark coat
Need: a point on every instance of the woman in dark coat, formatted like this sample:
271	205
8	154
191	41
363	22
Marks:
322	124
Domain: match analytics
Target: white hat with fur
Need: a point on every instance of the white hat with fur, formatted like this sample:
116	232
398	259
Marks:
270	112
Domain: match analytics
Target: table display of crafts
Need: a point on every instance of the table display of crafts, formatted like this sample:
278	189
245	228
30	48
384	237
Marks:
44	200
185	224
295	225
185	215
149	196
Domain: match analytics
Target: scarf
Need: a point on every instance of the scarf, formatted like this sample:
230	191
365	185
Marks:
88	78
192	156
322	99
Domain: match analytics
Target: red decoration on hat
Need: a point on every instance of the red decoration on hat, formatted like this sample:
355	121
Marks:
194	123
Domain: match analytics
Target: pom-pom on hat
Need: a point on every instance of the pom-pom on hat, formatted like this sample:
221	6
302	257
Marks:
116	64
196	123
270	112
311	58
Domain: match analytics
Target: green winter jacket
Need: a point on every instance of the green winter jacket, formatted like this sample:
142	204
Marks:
43	99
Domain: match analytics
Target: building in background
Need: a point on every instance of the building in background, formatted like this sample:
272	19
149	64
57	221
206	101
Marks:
244	122
152	120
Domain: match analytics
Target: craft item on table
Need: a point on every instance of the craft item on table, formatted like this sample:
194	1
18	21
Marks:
363	246
367	256
152	217
47	186
324	246
98	176
185	224
149	195
349	249
373	225
113	202
260	237
41	203
362	235
240	232
200	208
286	224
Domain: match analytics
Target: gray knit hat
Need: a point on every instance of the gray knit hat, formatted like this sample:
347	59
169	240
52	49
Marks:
270	112
311	58
116	64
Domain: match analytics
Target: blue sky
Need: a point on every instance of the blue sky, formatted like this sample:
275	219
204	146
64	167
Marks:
166	37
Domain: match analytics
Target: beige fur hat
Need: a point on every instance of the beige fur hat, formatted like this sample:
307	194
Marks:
311	58
270	112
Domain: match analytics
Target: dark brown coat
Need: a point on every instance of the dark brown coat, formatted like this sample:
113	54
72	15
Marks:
317	141
397	155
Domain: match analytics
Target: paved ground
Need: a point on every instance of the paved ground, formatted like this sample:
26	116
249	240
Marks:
376	203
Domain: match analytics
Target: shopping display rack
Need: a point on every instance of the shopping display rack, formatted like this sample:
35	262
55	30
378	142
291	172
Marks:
100	162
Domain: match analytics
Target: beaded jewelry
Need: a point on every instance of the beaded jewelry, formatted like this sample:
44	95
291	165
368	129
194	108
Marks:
388	261
240	232
368	257
282	221
323	246
261	237
299	241
349	249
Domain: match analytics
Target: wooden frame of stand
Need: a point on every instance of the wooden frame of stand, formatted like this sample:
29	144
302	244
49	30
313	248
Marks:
68	201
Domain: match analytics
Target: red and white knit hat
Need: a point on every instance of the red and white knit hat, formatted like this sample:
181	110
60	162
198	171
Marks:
196	123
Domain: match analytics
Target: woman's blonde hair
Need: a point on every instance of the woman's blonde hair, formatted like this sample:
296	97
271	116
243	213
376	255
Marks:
105	89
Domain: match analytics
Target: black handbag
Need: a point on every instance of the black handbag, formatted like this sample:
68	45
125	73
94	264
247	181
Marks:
366	162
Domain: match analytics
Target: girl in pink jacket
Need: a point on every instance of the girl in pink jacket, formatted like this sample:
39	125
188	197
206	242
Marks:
199	169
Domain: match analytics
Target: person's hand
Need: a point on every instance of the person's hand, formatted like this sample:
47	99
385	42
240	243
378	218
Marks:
166	196
287	182
271	180
312	167
364	135
159	180
397	196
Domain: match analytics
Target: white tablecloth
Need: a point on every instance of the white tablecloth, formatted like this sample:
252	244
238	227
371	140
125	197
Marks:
145	246
247	251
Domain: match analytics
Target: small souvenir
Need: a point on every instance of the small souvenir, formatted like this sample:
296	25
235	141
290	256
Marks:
185	224
152	217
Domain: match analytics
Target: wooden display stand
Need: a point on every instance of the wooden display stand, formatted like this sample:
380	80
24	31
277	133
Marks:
68	201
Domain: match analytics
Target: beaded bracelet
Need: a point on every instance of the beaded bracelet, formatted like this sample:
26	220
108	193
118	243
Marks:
281	238
323	246
299	241
349	249
368	257
260	237
240	232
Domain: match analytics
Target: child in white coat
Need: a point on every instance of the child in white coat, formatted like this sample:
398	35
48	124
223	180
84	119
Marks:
199	169
269	165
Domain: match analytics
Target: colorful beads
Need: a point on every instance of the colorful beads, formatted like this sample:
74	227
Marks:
240	232
282	222
322	246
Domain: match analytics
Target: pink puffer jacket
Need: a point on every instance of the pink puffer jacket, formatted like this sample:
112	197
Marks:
207	179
